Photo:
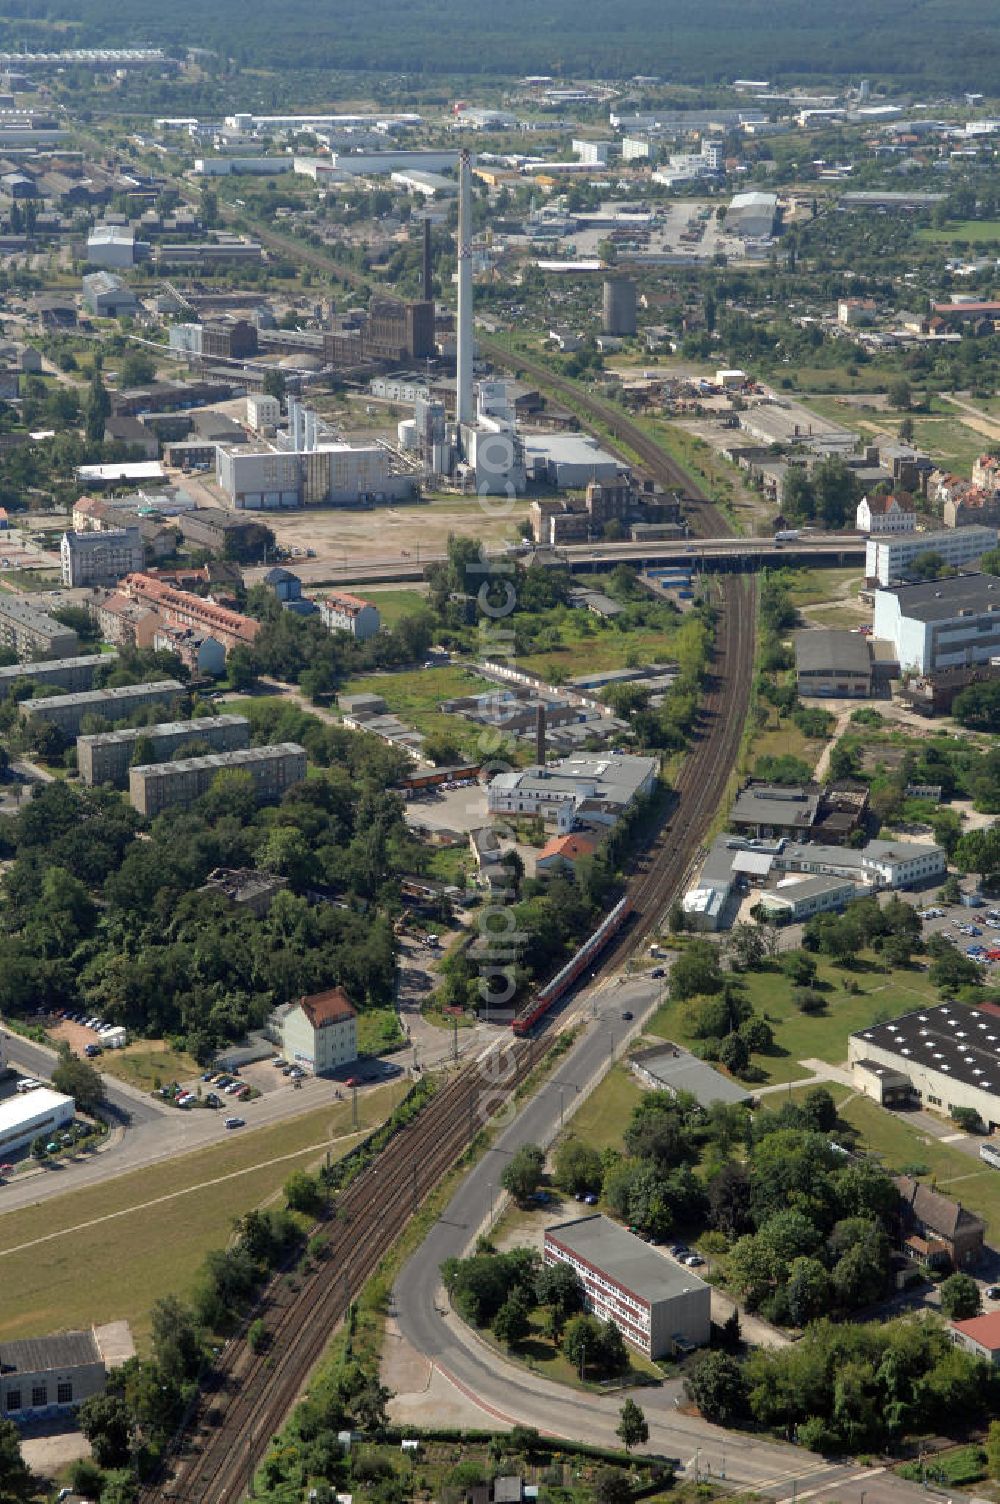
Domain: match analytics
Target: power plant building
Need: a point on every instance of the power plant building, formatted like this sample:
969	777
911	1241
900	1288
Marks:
154	787
329	475
105	758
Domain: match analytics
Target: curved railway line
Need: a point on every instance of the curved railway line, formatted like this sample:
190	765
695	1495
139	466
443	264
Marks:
249	1395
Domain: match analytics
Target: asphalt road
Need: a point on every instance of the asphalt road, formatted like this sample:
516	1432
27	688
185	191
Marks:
508	1393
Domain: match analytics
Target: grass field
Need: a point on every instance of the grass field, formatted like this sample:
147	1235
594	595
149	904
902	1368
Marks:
588	643
392	604
810	587
378	1028
601	1120
782	738
149	1064
975	231
801	1036
108	1252
899	1142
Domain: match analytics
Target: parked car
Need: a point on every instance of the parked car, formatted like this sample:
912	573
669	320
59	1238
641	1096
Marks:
658	971
693	1260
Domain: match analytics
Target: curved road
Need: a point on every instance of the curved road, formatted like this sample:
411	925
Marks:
509	1394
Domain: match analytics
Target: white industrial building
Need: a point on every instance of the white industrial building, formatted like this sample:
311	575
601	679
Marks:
941	624
585	787
888	560
263	412
570	461
328	475
659	1306
35	1114
101	558
948	1056
115	247
430	184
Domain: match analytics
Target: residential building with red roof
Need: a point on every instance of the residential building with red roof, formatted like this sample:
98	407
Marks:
319	1031
181	608
563	851
886	514
342	612
980	1335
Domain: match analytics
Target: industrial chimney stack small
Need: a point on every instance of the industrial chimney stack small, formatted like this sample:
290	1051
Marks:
428	285
540	736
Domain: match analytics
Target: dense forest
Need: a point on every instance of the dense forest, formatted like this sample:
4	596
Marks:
946	47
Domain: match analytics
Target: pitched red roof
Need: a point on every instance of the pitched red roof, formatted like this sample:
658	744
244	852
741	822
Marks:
982	1329
571	847
330	1007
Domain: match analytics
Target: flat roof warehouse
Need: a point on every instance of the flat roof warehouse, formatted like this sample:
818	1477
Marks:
961	1042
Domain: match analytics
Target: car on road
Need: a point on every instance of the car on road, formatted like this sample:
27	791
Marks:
236	1122
992	1291
658	971
627	1016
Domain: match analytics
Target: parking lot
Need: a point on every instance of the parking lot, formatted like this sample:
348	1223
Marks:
459	809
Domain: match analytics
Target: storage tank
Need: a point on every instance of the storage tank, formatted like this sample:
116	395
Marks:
619	306
406	433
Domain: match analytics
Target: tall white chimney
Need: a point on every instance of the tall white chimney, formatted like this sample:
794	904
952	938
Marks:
464	411
295	423
310	443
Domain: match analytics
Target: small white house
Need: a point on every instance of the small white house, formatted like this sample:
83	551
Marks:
886	514
349	613
320	1031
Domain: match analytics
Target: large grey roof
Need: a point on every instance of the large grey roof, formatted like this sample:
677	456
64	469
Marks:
679	1070
773	804
642	1270
831	650
960	1042
940	600
45	1354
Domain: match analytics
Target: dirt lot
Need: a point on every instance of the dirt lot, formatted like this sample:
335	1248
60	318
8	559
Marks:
75	1035
404	532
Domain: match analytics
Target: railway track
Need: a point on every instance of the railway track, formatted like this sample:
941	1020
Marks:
701	784
249	1395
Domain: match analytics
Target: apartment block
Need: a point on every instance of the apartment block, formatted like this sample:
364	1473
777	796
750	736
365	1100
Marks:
32	633
349	613
154	787
889	559
106	757
101	558
68	674
67	712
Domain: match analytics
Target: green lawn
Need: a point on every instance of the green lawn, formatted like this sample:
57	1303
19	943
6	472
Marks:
899	1142
975	231
538	1353
782	738
809	587
378	1028
111	1250
588	643
393	604
801	1036
949	441
602	1119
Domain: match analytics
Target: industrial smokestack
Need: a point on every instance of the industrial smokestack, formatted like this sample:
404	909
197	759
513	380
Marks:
464	411
540	735
310	430
428	287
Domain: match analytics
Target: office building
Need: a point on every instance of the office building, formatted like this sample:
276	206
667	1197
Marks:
154	787
108	297
106	757
659	1306
32	1115
889	560
32	633
320	1031
101	558
67	712
941	624
341	612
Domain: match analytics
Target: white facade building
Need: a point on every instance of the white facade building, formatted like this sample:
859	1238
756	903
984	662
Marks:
657	1304
262	412
111	246
35	1114
586	786
349	613
941	624
320	1031
886	514
949	1054
888	559
324	476
594	153
101	558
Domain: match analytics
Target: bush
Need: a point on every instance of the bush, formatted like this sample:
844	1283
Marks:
808	1000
